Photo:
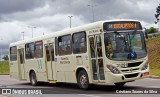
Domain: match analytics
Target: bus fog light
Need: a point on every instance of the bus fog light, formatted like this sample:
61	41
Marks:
113	69
146	73
145	66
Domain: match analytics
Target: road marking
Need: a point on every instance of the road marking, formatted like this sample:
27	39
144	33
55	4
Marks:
88	95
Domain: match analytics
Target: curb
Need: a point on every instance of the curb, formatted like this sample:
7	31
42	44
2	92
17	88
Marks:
4	95
153	76
4	74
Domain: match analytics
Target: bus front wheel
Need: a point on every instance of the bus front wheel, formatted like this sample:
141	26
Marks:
82	80
33	78
120	84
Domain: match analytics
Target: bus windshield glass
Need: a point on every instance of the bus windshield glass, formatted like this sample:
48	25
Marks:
123	46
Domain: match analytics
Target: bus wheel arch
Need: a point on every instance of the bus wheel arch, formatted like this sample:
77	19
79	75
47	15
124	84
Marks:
33	77
82	78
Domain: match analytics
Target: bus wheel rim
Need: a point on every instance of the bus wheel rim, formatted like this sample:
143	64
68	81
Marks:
83	80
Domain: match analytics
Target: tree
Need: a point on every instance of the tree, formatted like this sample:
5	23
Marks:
157	14
5	58
151	30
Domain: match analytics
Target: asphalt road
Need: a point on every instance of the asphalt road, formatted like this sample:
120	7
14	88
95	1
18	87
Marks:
69	90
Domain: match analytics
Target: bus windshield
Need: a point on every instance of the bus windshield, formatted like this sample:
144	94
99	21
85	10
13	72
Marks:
123	46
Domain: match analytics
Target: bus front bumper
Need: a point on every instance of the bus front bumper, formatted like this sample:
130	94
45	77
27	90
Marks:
126	77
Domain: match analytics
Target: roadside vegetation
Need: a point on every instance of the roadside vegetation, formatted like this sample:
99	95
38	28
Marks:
153	48
4	67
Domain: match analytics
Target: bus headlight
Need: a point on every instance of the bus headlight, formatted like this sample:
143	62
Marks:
113	69
145	66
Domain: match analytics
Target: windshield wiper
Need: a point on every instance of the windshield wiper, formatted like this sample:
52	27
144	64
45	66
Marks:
133	34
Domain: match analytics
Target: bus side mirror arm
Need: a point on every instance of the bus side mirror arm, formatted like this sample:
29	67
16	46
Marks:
146	35
145	32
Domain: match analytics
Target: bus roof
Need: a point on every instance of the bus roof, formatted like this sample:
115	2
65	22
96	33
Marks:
98	24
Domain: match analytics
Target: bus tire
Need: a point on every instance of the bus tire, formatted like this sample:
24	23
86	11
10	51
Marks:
33	78
83	81
121	84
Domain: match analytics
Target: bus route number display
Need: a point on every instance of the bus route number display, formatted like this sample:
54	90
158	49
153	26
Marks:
114	26
124	25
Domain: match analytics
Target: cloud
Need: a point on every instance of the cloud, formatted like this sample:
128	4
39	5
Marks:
12	6
104	9
49	16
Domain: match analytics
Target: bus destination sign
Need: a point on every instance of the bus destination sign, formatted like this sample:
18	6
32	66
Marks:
122	25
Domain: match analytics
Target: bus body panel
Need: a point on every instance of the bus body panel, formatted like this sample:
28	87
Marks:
14	72
39	68
21	62
66	67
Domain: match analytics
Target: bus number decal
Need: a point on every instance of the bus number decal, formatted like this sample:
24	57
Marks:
55	59
39	64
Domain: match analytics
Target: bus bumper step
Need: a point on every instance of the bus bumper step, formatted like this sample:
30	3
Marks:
52	81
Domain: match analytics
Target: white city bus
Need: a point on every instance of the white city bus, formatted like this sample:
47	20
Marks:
103	52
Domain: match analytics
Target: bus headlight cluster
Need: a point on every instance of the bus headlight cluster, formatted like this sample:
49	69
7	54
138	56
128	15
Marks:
113	69
145	66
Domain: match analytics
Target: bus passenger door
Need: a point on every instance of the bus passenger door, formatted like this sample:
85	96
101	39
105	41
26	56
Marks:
96	58
49	49
21	63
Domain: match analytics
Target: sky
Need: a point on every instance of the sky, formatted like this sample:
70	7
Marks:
48	16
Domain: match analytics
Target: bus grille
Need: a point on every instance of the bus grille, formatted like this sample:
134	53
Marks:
134	64
131	75
128	70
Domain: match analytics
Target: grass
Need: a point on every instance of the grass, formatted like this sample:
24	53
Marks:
4	67
155	72
153	48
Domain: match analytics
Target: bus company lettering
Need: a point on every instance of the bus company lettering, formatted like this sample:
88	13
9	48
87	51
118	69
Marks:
65	60
93	31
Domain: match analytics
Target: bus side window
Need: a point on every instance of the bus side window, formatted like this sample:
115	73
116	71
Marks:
92	47
109	45
47	53
99	46
38	49
56	46
79	42
29	50
13	53
52	51
64	45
